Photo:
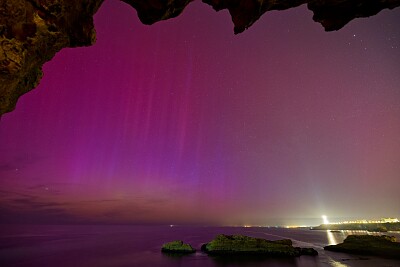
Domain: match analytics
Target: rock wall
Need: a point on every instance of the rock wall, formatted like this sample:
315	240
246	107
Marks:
33	31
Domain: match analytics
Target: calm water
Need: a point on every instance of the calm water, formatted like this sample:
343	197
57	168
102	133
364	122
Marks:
120	246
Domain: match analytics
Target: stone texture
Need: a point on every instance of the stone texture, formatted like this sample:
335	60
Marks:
246	245
33	31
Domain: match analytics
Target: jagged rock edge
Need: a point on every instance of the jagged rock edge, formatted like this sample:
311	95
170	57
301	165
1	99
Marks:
333	15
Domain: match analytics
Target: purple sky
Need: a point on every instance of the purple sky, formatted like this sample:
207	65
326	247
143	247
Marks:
184	122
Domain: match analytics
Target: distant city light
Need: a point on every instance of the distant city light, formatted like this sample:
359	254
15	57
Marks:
363	221
325	219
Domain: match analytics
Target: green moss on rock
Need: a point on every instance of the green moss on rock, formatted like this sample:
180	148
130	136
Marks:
177	247
240	244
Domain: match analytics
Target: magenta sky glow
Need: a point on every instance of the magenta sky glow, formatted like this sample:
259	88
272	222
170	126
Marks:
184	122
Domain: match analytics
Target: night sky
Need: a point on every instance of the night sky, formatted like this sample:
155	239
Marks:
185	122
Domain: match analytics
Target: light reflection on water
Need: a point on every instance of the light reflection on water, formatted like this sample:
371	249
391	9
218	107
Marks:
331	238
337	264
123	246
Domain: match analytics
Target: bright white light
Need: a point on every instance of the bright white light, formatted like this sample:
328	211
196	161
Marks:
331	238
325	219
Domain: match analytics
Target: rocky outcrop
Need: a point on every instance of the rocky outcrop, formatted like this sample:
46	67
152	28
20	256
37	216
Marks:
33	31
307	251
177	247
384	246
245	245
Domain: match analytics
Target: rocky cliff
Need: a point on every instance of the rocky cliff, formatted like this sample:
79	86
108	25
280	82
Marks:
33	31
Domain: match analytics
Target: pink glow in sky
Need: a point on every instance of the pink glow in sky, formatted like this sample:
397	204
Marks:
184	122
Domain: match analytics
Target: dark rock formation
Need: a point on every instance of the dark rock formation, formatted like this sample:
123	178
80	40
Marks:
245	245
177	247
150	12
33	31
307	251
333	15
384	246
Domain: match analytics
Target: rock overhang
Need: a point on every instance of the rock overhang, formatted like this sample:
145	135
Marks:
33	31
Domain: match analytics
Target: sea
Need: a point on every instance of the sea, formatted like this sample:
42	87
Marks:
132	245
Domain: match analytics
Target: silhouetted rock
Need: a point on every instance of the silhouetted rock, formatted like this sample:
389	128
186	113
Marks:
385	246
307	251
245	245
177	247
